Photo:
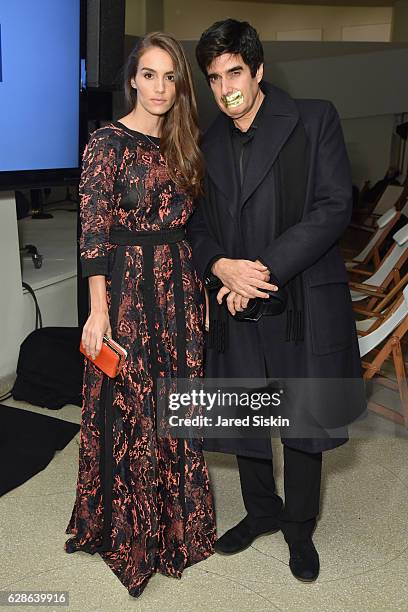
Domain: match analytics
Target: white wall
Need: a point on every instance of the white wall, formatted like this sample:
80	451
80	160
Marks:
187	19
58	305
143	16
360	84
135	17
368	90
368	141
367	32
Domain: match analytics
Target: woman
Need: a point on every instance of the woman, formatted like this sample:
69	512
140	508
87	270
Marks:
143	502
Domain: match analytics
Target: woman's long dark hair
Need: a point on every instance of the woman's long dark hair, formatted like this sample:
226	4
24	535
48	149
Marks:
180	131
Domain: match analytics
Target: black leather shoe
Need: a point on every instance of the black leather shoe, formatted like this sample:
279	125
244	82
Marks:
304	560
241	536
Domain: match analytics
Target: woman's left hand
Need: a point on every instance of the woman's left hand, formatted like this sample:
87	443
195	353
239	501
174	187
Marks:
235	301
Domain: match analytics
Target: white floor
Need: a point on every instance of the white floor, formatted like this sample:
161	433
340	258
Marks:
362	538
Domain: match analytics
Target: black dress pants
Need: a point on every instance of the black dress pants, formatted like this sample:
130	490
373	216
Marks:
302	477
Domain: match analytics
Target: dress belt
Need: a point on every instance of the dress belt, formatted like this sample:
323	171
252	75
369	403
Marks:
127	237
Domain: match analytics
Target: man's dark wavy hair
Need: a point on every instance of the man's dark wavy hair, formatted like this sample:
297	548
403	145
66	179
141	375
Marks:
230	36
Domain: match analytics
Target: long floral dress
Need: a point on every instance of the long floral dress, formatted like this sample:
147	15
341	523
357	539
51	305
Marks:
143	502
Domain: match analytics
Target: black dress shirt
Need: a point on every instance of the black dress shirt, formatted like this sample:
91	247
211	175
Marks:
241	146
242	142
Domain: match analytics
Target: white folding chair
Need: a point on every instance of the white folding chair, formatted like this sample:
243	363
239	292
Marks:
391	331
388	272
389	198
393	196
384	224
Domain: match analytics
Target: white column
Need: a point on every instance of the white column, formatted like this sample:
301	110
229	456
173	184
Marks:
144	16
11	293
399	26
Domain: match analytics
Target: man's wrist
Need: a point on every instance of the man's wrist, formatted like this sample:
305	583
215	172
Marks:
216	264
272	277
210	280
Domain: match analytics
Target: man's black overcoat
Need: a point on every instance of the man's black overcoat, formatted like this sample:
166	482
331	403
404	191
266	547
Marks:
309	248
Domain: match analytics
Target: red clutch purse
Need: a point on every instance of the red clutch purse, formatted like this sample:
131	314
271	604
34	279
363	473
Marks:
111	357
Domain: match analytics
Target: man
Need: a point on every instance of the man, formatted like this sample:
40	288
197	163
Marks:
278	197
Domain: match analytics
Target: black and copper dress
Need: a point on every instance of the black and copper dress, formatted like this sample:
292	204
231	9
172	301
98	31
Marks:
143	502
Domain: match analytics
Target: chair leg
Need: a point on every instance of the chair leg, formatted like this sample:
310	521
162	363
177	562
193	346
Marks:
385	412
371	303
393	345
401	376
404	345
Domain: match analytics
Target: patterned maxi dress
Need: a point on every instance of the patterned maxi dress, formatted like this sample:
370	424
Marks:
142	502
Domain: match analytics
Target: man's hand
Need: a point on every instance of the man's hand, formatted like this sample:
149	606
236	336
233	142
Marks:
242	276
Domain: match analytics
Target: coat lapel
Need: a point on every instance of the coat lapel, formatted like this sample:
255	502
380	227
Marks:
279	119
219	157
